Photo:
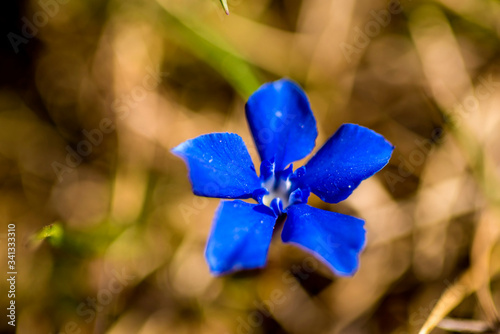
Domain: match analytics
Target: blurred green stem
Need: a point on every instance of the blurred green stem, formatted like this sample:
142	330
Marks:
480	164
209	47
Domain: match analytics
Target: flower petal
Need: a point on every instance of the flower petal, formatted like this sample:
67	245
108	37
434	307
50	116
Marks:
334	238
219	166
351	155
282	123
240	237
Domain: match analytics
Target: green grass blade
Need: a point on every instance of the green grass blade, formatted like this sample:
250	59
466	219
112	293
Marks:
209	47
224	5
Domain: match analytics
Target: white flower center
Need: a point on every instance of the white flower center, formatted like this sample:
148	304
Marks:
280	190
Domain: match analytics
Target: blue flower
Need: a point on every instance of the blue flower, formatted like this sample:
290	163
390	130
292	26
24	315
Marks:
284	130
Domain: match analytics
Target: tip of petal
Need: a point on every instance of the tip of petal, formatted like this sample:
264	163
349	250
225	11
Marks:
179	149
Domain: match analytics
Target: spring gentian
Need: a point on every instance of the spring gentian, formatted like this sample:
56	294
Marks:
284	130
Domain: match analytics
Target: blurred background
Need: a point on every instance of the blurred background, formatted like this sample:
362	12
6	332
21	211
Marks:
110	239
